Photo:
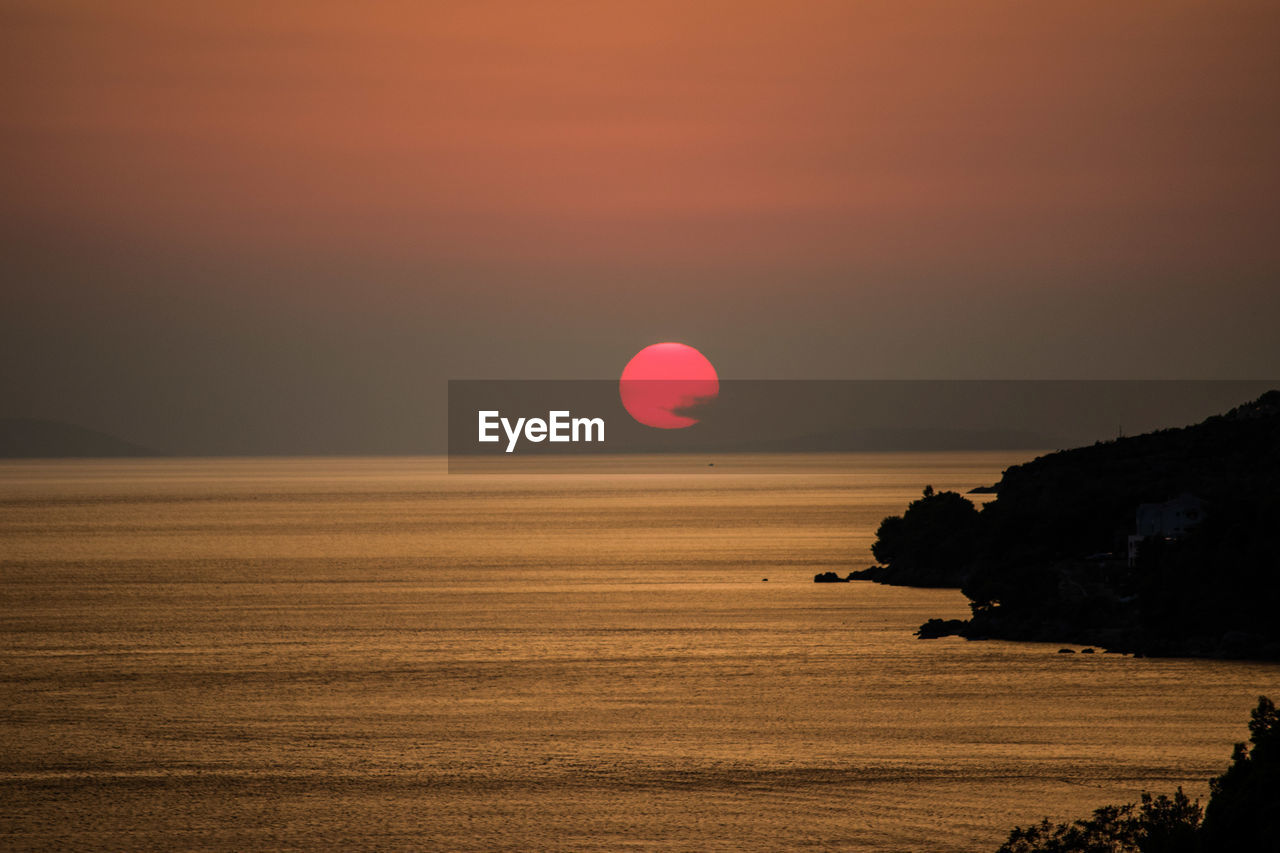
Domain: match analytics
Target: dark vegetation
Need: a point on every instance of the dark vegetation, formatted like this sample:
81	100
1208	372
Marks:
1048	558
1243	813
931	544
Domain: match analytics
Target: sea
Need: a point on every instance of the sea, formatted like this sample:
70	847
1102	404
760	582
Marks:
376	654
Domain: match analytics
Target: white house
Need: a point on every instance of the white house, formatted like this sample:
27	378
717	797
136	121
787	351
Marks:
1168	520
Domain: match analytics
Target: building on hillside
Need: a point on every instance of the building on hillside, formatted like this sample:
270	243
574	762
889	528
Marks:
1167	520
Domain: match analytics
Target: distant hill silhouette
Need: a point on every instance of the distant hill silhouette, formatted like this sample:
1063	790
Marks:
900	439
1049	558
30	438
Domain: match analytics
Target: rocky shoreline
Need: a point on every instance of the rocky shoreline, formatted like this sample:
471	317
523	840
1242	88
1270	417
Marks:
1055	557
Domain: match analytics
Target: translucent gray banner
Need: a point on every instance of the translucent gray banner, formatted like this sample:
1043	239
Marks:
600	425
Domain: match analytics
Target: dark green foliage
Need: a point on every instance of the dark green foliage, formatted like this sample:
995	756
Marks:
1243	813
1047	559
1159	825
931	543
1220	583
1215	591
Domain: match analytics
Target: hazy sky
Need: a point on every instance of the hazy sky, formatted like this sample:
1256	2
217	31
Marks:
282	226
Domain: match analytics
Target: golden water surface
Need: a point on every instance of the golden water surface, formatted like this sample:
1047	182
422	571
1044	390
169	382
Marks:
375	654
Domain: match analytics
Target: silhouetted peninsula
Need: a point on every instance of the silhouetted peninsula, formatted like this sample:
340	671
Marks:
29	438
1160	544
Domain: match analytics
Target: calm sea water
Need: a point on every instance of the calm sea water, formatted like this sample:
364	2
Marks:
370	653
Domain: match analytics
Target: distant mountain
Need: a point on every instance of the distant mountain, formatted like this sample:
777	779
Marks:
902	439
30	438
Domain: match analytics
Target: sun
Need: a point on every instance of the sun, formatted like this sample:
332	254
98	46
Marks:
664	382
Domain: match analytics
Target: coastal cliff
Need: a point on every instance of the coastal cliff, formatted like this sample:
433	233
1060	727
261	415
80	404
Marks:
1058	555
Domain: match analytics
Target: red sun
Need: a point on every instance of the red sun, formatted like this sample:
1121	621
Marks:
663	381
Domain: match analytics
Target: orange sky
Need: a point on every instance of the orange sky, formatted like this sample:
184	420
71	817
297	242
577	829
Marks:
804	133
244	203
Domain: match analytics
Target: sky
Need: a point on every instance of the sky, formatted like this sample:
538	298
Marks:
252	227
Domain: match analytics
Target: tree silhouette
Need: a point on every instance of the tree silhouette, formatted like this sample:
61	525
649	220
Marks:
932	541
1243	813
1160	825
